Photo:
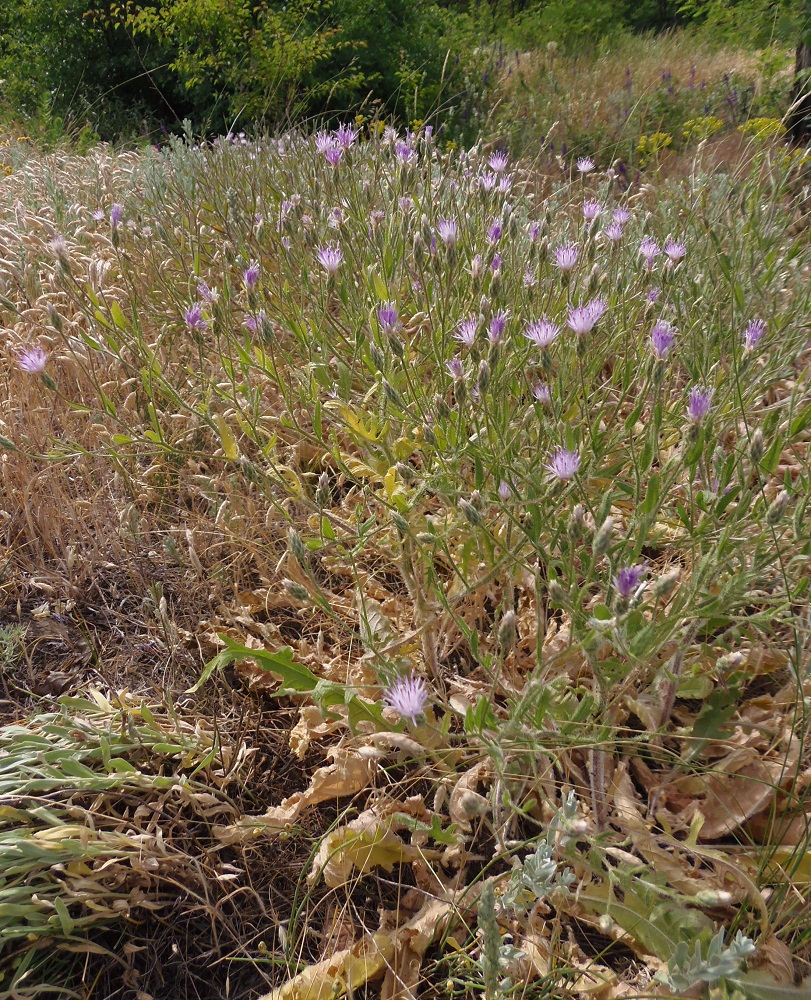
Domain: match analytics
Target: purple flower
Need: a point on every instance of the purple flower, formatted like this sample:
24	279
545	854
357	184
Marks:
255	323
405	204
324	141
495	263
566	257
330	257
649	249
194	317
654	294
591	209
466	331
207	294
505	184
504	490
585	164
408	696
494	232
620	216
456	369
497	324
448	231
251	275
613	232
99	214
661	337
116	211
564	463
675	251
32	359
530	280
542	393
699	404
488	182
583	319
404	152
542	332
345	135
628	579
334	155
498	161
534	231
387	317
752	334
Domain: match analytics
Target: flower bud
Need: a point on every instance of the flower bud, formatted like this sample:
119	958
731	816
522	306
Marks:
322	490
665	584
577	523
406	472
442	409
557	592
506	631
295	590
603	538
392	395
483	380
297	547
428	436
471	513
775	512
378	357
756	447
400	522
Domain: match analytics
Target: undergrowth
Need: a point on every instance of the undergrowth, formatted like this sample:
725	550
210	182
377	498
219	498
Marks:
501	498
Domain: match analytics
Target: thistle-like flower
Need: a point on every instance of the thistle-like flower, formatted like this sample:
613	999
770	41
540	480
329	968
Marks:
613	232
699	404
542	332
583	319
448	231
620	215
116	211
33	360
497	324
542	393
585	164
345	135
404	152
334	155
194	317
387	317
752	334
330	257
498	161
591	209
661	337
628	579
675	251
251	275
564	463
650	250
466	331
488	182
566	257
504	490
409	697
494	232
456	368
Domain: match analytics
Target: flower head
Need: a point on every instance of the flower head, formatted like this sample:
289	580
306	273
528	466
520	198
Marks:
32	359
654	294
585	164
345	135
675	251
194	317
613	232
495	263
456	368
330	257
408	696
542	393
404	152
324	141
116	211
620	216
583	319
448	231
387	317
488	182
466	331
591	209
498	161
206	293
494	232
251	275
497	324
99	214
628	579
564	463
566	257
661	337
650	250
699	404
334	155
542	332
752	334
504	490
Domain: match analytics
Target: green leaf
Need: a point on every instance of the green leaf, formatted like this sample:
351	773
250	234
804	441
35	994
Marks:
295	676
761	986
